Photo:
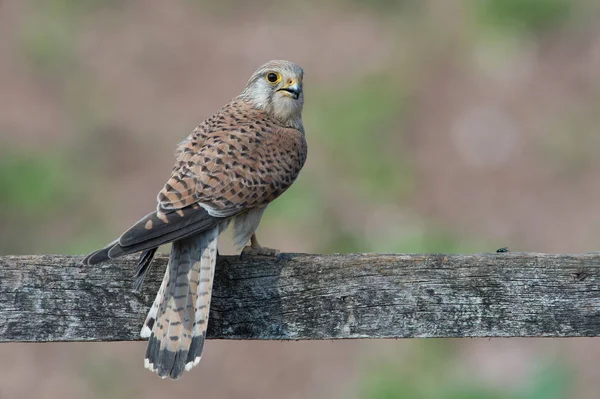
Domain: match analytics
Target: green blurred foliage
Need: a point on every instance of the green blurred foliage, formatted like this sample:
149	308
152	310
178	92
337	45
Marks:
389	5
47	42
50	32
107	379
569	147
230	7
527	16
300	203
35	188
426	239
71	9
33	183
40	198
554	381
429	373
358	120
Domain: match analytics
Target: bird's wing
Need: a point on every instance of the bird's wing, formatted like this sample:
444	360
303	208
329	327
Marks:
153	230
236	160
238	166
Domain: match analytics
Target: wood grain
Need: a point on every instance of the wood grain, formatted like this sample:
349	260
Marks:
55	298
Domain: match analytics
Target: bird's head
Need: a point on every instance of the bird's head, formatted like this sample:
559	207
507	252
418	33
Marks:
276	87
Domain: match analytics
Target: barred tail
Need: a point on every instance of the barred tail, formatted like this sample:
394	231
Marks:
176	324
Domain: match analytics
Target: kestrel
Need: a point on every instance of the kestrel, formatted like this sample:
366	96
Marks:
228	170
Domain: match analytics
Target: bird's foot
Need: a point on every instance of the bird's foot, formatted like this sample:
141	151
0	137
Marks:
260	251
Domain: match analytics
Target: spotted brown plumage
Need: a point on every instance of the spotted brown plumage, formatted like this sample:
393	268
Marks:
239	158
228	170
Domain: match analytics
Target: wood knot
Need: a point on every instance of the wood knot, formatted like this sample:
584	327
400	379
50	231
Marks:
581	275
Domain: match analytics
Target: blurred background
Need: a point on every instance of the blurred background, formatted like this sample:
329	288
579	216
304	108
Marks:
433	126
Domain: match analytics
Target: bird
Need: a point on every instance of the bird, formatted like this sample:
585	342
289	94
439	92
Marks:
227	171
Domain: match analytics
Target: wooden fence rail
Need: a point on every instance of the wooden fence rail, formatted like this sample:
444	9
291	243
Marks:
54	298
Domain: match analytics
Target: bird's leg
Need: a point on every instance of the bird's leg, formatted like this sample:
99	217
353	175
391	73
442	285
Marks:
254	249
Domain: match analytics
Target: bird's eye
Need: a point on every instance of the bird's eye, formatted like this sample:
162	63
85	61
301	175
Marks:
273	77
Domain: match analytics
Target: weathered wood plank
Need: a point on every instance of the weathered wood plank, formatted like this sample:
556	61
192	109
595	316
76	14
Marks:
55	298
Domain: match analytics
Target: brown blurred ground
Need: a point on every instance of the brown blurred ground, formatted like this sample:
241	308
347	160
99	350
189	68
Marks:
484	138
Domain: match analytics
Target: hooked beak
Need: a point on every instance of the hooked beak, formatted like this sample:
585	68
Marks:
292	89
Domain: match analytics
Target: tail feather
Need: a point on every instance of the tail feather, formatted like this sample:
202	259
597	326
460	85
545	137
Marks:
143	268
176	323
203	296
153	313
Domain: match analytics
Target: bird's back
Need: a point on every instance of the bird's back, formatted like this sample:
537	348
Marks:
237	158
